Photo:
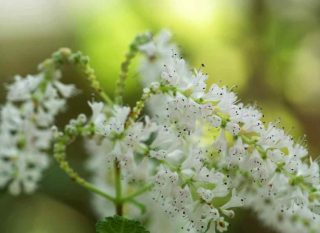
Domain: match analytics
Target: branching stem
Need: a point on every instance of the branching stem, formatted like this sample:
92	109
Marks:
133	50
65	56
60	146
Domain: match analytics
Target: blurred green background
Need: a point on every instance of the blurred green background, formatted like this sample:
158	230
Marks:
269	49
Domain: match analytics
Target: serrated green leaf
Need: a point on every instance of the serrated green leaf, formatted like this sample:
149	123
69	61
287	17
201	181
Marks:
117	224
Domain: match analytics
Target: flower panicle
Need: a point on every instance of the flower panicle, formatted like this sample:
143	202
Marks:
191	149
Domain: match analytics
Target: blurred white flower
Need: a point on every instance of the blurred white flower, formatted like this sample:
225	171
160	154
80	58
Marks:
25	129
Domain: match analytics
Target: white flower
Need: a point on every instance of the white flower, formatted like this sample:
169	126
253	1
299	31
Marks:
273	137
98	115
176	73
66	90
22	88
198	84
158	52
225	99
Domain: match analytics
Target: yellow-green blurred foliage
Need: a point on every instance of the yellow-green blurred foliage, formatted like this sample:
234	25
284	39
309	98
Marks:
268	50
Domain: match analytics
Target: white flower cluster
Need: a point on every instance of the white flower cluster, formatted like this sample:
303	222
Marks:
216	154
25	129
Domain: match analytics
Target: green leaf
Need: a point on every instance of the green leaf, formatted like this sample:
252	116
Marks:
117	224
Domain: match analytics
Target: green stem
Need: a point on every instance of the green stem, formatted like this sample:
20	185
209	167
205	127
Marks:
139	205
118	186
123	76
137	193
154	89
64	165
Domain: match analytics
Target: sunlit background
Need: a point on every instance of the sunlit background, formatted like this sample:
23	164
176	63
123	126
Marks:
269	50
